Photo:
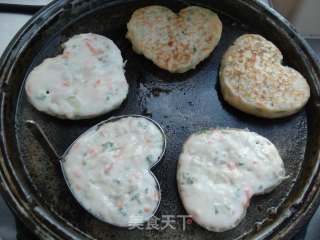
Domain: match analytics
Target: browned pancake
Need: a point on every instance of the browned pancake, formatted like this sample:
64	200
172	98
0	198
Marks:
175	42
253	80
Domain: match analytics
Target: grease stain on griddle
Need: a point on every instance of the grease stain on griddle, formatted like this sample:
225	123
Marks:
272	213
259	208
156	91
257	226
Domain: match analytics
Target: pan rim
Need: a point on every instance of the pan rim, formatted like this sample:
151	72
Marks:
7	173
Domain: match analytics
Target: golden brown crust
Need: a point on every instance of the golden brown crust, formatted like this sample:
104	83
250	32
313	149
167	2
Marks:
175	42
253	80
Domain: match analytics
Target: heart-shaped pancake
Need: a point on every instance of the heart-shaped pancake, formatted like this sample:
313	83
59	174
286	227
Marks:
253	79
219	170
108	169
85	81
175	42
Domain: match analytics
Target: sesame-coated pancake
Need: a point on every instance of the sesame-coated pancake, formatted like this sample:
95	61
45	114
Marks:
253	79
175	42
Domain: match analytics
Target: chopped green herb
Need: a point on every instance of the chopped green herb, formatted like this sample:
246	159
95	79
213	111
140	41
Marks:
130	191
136	197
240	164
106	45
117	181
73	46
72	98
150	159
202	130
41	96
123	210
74	102
108	98
216	210
84	163
146	191
238	192
77	110
77	116
142	125
227	207
109	146
188	178
194	48
127	168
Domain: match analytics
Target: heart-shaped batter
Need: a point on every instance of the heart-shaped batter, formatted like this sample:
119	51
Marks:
253	80
85	81
175	42
108	169
219	170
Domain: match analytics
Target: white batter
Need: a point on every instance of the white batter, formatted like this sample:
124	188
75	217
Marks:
108	170
219	170
85	81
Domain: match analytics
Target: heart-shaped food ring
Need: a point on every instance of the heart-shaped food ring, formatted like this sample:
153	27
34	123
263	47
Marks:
219	170
175	42
85	81
253	79
108	167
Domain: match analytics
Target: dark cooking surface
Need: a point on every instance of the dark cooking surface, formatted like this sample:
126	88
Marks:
180	103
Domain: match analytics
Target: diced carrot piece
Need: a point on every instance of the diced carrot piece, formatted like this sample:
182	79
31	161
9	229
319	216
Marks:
93	152
247	193
97	83
245	204
76	146
119	203
156	196
28	88
274	153
231	166
110	87
259	105
108	167
65	83
133	178
77	174
147	209
66	54
93	36
91	48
